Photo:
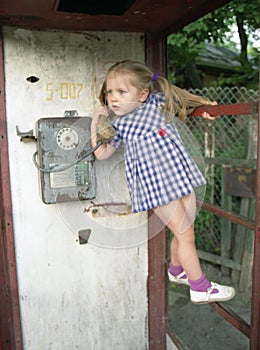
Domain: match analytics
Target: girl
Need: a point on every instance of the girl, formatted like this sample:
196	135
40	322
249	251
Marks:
161	175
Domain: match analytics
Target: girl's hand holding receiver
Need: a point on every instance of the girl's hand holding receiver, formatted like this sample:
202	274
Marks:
100	111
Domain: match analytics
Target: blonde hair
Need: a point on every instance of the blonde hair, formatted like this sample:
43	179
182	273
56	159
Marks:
177	101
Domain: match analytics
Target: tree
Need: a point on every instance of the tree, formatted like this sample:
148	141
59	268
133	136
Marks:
216	27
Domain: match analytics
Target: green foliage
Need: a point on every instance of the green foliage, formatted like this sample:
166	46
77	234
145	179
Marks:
216	27
248	10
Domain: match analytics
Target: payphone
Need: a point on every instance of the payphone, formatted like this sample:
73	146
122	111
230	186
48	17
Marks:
64	158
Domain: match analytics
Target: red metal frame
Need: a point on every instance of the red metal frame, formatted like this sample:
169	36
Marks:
157	296
255	313
156	284
252	330
10	326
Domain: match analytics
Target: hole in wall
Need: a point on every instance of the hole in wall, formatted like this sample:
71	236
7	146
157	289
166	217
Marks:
32	79
84	236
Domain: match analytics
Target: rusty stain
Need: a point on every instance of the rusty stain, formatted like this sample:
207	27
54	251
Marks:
237	169
108	209
104	205
239	181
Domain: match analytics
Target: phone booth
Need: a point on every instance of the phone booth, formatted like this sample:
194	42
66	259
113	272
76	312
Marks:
79	270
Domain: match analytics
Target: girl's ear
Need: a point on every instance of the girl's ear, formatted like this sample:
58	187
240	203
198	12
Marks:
144	95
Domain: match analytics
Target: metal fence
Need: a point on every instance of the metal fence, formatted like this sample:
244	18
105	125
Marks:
229	141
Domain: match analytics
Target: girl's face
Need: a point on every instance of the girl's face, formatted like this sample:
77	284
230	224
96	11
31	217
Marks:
122	96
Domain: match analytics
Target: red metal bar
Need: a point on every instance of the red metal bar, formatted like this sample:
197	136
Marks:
236	218
255	308
10	327
237	109
157	305
173	338
5	329
232	318
156	284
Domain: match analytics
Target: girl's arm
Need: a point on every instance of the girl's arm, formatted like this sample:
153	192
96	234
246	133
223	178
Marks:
105	150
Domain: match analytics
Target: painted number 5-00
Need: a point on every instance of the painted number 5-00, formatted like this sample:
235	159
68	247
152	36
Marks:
64	91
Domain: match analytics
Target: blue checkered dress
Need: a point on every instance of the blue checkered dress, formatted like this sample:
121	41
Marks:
158	167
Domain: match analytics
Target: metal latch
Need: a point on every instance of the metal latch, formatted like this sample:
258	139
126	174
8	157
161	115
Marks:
26	136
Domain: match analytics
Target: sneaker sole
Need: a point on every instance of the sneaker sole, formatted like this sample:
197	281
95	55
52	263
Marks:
216	300
177	281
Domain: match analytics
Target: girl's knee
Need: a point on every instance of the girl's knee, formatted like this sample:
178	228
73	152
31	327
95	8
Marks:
186	236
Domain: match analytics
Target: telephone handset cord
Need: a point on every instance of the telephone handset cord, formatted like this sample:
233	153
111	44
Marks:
54	169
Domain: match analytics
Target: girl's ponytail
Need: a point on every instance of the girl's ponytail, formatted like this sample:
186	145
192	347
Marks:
178	101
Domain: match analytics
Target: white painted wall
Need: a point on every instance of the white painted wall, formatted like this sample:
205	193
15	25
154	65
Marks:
72	296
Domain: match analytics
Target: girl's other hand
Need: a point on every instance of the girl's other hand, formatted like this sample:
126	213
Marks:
206	115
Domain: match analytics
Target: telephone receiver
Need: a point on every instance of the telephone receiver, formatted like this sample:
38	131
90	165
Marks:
105	130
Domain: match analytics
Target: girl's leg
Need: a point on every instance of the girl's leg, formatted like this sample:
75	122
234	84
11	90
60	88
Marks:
174	252
179	216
